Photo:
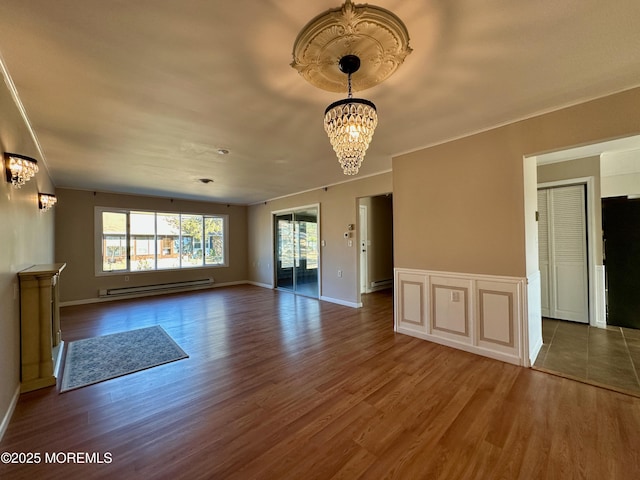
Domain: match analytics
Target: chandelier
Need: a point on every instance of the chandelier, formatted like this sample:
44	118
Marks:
350	123
353	38
19	168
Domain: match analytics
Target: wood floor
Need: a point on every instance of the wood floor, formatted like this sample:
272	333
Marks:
285	387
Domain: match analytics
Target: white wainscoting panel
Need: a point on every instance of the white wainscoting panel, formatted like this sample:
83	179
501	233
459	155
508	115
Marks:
496	317
498	304
477	313
451	304
411	302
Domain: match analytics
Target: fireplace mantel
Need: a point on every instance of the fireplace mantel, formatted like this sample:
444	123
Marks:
41	339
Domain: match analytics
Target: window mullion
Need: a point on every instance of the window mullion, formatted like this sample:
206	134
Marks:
180	246
156	247
203	246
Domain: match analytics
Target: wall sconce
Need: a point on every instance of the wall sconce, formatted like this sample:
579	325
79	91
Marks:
46	201
19	168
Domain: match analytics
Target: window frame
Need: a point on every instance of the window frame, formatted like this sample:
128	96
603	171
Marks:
98	241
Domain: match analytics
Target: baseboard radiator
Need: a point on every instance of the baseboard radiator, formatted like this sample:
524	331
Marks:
382	283
159	287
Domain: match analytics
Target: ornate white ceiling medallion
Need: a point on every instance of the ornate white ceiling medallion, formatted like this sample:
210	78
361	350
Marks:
373	34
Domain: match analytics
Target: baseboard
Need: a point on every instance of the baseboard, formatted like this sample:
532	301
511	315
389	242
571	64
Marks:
215	285
379	288
533	354
9	413
344	303
323	298
262	285
503	357
150	294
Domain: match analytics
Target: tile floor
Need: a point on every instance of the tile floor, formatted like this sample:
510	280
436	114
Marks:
608	356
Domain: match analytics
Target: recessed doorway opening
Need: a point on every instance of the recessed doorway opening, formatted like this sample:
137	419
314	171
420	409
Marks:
596	351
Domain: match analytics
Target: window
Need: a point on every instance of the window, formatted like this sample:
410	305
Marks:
191	227
214	240
168	233
142	241
114	241
134	241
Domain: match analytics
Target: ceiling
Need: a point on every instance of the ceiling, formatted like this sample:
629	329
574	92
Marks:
138	96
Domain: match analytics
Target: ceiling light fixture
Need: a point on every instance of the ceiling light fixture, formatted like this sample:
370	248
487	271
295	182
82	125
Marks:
350	123
353	38
19	168
46	201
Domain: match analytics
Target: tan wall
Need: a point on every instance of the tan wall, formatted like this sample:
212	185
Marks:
620	185
459	206
579	168
338	208
75	242
26	238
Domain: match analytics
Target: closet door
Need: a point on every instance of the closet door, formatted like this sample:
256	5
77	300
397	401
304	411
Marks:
543	251
566	253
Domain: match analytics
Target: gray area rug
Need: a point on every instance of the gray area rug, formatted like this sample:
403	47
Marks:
96	359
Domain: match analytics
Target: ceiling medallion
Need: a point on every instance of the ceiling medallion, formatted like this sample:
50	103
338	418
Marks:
373	34
366	43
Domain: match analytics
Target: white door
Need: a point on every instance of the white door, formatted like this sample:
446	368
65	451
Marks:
364	272
562	239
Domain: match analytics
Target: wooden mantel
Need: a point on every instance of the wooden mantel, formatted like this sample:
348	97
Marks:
41	339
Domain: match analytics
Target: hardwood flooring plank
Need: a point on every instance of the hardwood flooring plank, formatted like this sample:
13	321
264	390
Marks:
284	387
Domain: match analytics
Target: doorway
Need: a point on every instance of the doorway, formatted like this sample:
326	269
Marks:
375	241
621	229
574	348
606	356
297	258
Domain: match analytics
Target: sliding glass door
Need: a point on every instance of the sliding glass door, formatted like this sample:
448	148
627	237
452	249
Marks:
296	243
